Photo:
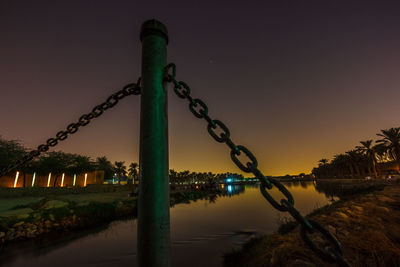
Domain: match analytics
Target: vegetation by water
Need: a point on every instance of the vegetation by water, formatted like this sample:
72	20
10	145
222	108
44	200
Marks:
345	190
49	213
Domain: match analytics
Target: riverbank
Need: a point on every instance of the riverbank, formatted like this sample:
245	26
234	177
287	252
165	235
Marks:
34	217
367	225
30	216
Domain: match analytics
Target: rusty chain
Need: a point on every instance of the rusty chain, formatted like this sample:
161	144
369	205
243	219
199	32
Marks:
111	101
200	110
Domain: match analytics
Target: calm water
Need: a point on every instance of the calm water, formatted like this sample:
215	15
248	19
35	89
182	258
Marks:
200	232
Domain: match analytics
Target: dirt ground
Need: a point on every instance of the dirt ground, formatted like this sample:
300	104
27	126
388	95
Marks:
368	227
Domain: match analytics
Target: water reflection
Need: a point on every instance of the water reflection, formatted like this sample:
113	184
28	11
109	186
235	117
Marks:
209	194
41	246
340	189
231	190
205	227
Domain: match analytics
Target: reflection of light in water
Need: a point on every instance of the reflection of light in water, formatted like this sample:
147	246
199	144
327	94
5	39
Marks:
230	188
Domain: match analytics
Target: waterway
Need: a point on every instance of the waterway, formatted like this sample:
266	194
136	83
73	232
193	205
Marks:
201	232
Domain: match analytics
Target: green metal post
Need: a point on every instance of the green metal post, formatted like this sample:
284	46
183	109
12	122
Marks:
153	207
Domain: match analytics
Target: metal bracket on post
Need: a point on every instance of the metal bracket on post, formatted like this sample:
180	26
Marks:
153	207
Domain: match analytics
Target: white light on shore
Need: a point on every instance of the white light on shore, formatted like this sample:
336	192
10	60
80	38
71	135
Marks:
85	179
48	180
16	179
33	179
62	179
74	179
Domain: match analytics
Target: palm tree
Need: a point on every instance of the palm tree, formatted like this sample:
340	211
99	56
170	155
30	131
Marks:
173	175
120	169
355	159
323	161
349	163
185	175
382	152
341	164
132	171
367	149
323	168
391	139
103	164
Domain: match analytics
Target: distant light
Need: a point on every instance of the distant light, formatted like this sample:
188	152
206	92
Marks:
16	179
74	179
62	179
33	179
229	180
230	188
48	180
85	179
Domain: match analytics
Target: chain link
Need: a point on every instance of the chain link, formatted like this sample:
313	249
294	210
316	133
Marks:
129	89
332	254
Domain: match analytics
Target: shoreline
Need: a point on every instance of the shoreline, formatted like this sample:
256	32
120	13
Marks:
369	236
82	209
61	215
69	212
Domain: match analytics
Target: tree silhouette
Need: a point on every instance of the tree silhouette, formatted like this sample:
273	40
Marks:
10	152
355	159
391	139
367	149
56	162
103	164
132	171
120	170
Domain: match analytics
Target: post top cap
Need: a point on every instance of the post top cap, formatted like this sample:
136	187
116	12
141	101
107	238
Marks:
153	27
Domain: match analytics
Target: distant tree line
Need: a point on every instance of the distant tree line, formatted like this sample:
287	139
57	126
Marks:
369	158
58	162
188	177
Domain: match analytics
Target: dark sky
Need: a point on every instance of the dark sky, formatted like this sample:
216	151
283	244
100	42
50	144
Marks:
295	81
